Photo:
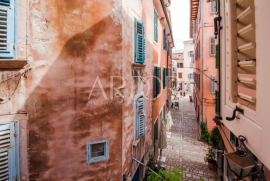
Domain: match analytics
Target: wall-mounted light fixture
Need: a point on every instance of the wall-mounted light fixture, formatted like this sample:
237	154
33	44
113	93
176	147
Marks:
241	162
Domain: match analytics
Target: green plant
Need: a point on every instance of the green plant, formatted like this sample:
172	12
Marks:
162	175
155	166
173	175
204	132
216	140
210	156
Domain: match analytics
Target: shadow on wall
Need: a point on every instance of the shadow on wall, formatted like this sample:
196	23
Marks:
61	118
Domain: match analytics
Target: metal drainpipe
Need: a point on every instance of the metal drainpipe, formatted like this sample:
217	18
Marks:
202	15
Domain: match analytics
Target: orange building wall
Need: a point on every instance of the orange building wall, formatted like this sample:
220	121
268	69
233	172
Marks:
209	67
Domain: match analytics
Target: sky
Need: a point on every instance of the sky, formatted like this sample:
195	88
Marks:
180	22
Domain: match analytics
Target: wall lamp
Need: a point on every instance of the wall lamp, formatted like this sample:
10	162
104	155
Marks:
241	163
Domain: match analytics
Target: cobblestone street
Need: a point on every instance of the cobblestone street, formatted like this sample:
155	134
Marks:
184	150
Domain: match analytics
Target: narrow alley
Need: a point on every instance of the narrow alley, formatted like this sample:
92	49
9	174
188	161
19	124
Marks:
184	150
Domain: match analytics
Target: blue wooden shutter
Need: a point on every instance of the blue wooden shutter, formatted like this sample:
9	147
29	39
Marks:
7	32
139	42
155	25
140	118
9	151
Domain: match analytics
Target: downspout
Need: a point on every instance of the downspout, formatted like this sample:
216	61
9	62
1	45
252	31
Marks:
202	15
219	67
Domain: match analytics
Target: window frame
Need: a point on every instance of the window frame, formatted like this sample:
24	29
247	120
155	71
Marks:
106	156
136	41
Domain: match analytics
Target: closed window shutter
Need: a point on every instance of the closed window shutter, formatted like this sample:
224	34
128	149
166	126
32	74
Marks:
167	77
213	84
140	118
8	168
7	28
155	82
165	40
139	42
164	78
156	25
212	46
217	56
213	7
217	108
158	80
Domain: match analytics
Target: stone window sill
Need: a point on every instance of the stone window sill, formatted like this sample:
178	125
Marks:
138	66
12	63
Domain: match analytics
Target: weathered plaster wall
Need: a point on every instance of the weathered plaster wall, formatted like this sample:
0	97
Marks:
142	10
69	48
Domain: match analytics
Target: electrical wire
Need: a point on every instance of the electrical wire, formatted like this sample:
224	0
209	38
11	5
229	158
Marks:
17	85
8	99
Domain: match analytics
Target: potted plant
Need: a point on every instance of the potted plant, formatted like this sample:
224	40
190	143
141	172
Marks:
211	160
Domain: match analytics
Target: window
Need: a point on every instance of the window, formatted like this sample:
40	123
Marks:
7	26
212	46
191	65
165	46
157	81
155	25
197	51
190	54
9	156
180	75
197	79
213	7
190	76
165	77
139	42
97	151
180	65
213	84
140	117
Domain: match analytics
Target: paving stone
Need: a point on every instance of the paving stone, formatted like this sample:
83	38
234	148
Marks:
184	150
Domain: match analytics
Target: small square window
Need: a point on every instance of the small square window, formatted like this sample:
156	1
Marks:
97	151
